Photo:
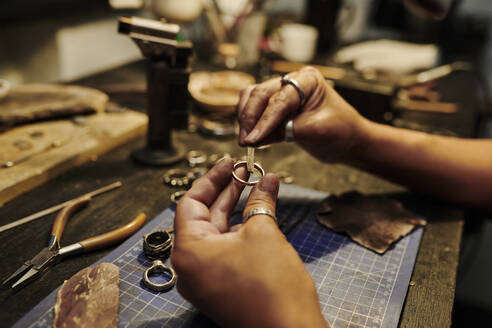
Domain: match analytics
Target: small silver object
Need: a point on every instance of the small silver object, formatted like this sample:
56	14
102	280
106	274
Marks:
244	163
287	80
289	131
176	196
177	177
214	158
258	211
159	267
196	158
285	177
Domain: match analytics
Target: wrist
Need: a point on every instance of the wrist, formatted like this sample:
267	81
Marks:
362	142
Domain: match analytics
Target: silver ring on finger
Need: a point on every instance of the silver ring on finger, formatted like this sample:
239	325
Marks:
259	211
287	80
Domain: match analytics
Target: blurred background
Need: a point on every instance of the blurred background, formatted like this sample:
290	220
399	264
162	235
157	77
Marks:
67	40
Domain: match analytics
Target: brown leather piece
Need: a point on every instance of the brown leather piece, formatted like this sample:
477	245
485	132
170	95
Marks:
374	222
90	298
35	102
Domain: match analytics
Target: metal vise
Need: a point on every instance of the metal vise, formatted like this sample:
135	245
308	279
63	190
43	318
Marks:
168	70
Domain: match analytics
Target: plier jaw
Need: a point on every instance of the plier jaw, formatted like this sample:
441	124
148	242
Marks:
32	269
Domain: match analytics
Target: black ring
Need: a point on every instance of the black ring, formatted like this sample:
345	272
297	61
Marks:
157	245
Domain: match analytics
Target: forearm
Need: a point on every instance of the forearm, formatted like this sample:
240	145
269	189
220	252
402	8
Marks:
458	170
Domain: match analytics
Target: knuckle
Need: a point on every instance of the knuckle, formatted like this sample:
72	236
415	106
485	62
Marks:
258	92
310	70
280	99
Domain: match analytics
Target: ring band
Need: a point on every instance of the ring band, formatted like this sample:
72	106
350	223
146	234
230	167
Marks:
289	131
287	80
258	211
159	267
244	163
176	196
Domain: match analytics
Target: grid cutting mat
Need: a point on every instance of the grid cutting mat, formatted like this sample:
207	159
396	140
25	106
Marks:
357	287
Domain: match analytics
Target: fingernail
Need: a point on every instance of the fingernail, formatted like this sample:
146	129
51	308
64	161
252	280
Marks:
223	160
252	136
269	183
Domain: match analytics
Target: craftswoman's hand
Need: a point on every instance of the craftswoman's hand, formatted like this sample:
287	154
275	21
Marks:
325	125
240	276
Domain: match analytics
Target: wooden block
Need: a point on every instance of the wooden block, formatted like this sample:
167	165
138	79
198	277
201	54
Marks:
38	160
34	102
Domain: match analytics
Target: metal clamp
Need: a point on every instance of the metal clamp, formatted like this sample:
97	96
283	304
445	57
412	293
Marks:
177	177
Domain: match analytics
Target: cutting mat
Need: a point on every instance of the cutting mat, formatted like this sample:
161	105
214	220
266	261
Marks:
75	144
357	287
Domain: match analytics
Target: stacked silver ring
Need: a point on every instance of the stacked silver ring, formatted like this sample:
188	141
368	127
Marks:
156	246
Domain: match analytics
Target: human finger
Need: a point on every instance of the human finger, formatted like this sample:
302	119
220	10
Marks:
194	205
226	201
263	195
256	102
282	105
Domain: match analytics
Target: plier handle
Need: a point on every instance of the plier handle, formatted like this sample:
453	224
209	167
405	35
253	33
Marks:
52	254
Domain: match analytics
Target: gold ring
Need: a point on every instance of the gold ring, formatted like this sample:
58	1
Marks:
244	163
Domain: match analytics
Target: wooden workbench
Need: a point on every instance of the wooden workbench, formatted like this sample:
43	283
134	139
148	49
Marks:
430	297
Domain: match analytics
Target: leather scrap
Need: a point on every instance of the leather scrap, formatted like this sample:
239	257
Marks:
374	222
35	102
90	298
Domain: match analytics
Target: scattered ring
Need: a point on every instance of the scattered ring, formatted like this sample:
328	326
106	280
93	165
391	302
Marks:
214	158
196	158
157	245
259	211
176	196
285	177
287	80
244	163
159	267
177	177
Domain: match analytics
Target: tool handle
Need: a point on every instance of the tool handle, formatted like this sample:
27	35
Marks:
115	236
64	215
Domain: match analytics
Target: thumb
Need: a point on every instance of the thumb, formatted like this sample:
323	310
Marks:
263	195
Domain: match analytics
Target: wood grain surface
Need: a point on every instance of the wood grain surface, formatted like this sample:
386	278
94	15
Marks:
55	146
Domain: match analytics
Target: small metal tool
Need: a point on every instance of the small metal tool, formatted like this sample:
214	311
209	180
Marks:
250	159
49	256
55	208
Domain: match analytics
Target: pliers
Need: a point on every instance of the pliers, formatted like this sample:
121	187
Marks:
49	256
